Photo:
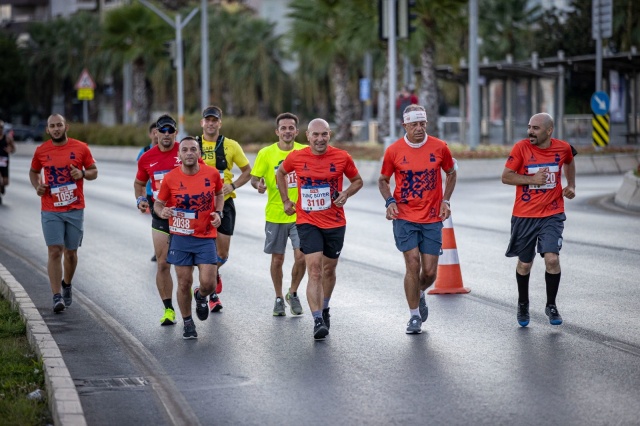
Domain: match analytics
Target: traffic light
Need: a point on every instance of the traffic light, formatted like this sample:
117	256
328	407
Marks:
405	18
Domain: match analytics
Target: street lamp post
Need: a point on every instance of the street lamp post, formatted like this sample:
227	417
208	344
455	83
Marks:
178	25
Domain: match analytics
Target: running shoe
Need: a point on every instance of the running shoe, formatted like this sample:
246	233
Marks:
189	331
424	309
169	317
214	303
325	317
294	303
554	316
66	295
154	258
58	303
219	285
202	310
414	326
523	314
320	330
278	308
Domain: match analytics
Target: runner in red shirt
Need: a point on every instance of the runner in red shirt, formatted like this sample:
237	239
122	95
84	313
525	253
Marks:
417	206
319	212
65	163
535	167
191	198
153	165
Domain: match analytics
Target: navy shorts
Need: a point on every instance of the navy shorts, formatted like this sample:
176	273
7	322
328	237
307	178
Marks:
426	236
187	250
314	239
527	232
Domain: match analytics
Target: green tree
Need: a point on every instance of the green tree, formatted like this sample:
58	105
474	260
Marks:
505	27
439	27
135	34
12	76
567	30
335	33
57	53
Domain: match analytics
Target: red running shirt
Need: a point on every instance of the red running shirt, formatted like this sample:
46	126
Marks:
64	192
319	180
418	178
526	159
154	164
193	197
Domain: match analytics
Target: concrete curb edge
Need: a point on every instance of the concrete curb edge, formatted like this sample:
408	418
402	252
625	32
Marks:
64	401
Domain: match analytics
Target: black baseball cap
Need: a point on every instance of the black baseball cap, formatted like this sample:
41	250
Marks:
166	120
211	112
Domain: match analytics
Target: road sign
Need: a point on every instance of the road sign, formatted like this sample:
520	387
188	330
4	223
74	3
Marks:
601	19
85	94
600	103
600	130
85	81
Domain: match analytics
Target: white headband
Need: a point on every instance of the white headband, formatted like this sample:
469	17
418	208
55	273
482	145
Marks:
413	116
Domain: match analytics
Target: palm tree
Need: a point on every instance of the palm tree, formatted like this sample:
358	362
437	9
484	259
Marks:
135	34
439	23
56	54
337	34
505	27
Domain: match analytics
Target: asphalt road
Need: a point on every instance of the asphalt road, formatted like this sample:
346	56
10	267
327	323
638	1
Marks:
472	364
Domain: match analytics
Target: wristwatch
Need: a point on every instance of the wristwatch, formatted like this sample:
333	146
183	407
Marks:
221	214
447	202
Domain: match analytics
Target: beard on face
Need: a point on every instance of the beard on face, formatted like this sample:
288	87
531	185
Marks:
60	139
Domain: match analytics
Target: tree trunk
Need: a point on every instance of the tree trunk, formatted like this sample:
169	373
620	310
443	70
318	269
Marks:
344	109
140	93
429	88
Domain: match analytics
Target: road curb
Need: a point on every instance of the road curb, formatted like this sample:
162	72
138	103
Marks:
64	401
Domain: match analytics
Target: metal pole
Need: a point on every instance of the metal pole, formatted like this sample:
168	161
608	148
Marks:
85	112
127	70
204	55
474	89
598	64
181	132
391	7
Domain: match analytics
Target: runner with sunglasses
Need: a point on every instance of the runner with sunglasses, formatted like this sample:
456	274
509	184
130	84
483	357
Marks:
153	165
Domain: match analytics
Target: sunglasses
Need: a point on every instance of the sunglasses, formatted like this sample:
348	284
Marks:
167	129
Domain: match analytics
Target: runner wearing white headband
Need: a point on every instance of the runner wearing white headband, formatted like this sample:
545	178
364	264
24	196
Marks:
413	116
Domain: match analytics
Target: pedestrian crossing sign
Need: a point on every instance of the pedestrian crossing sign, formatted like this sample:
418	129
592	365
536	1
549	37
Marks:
85	81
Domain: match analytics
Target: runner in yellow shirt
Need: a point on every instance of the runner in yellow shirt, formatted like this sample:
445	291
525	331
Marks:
279	226
222	153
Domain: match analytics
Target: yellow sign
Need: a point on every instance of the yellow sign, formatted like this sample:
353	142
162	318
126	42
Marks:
85	94
600	132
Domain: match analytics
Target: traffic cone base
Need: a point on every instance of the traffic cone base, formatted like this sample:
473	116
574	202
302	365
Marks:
449	278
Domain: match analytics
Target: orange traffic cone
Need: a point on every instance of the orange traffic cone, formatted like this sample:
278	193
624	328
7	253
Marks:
449	279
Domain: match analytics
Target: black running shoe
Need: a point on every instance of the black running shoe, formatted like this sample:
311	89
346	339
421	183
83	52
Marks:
202	309
154	258
66	295
554	316
58	303
320	330
189	331
326	318
424	309
523	314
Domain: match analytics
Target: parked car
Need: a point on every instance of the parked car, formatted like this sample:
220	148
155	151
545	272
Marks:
23	133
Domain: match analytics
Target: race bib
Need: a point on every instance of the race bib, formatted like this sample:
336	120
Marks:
4	161
64	194
551	175
157	181
315	198
182	221
292	182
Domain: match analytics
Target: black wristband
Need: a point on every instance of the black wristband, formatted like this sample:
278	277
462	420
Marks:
389	201
233	186
82	174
